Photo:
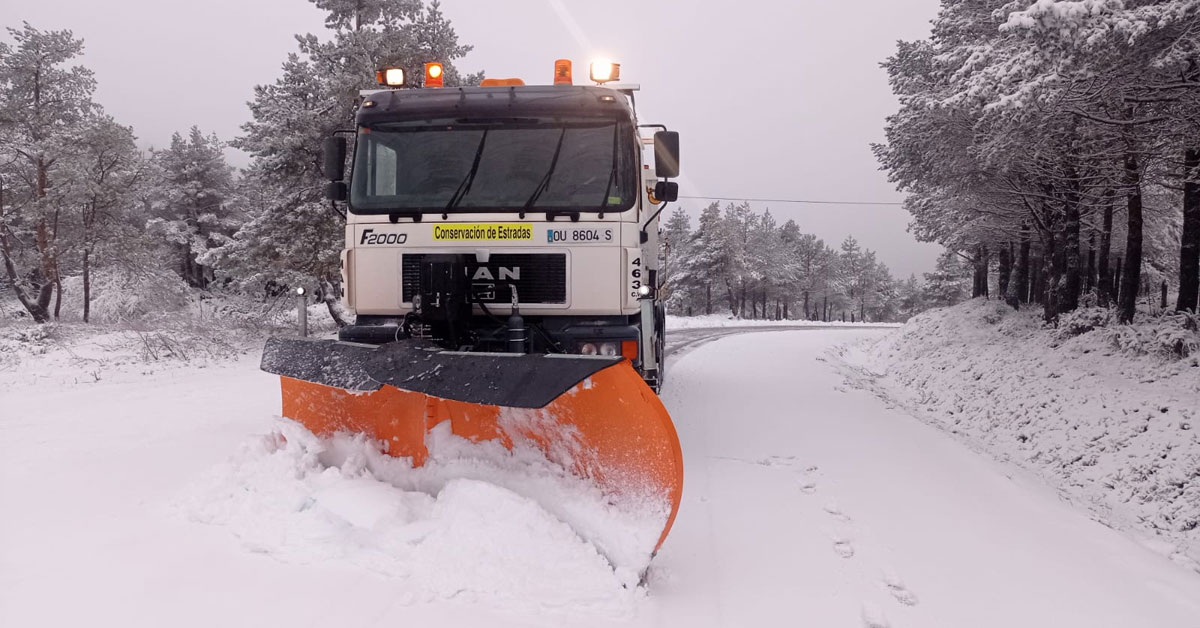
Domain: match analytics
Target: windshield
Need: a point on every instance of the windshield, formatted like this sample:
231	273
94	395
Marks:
508	165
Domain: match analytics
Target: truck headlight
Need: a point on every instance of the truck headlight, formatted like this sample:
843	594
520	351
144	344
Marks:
610	349
588	348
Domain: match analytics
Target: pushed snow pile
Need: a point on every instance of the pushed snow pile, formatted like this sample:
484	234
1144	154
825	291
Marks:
1108	414
476	522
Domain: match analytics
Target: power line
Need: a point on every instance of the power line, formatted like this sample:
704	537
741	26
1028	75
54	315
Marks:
788	200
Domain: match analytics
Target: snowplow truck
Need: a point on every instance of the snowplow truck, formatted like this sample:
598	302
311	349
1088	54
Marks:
501	261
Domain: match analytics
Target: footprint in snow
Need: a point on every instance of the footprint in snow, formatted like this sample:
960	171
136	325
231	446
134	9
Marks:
770	462
896	587
835	511
873	616
777	461
808	485
842	547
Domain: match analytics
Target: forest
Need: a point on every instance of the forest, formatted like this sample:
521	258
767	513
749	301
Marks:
739	262
1050	147
86	215
1055	145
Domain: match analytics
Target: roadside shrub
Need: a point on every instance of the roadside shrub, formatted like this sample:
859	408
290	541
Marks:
1082	321
994	312
121	296
1171	336
35	334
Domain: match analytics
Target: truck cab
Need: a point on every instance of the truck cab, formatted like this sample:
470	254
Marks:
506	218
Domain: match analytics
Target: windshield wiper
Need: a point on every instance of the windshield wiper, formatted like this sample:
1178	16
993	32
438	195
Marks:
544	184
464	188
612	174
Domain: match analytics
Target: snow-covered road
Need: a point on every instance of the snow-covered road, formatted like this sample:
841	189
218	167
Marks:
809	503
805	504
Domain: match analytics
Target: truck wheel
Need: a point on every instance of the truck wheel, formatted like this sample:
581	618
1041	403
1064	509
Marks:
660	344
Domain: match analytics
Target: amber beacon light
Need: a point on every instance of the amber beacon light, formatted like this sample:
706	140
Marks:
433	75
562	72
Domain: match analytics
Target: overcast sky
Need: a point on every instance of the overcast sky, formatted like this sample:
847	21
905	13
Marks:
777	99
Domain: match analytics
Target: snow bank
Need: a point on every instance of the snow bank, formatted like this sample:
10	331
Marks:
210	331
476	522
1109	415
721	320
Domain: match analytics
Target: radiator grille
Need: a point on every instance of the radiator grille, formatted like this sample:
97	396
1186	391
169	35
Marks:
541	278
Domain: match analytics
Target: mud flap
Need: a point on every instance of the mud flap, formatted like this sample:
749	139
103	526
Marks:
594	416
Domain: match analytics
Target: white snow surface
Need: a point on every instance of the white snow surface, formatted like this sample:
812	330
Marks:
710	321
211	333
1116	431
181	498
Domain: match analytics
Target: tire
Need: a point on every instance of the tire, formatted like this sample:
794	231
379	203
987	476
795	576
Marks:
660	344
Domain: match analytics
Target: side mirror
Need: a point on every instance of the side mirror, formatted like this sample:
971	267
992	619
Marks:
666	154
333	151
666	191
335	190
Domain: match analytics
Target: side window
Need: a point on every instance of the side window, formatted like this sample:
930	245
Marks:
383	171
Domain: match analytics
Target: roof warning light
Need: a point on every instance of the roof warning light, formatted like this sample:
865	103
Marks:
562	72
433	75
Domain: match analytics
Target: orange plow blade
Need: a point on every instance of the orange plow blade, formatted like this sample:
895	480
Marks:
606	426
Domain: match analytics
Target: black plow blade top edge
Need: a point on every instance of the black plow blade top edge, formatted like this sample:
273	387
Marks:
495	379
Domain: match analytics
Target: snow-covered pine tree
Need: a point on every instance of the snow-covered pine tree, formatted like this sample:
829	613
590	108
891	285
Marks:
909	298
44	104
816	269
947	284
703	262
190	202
765	258
790	268
292	235
881	296
108	169
676	233
854	274
733	248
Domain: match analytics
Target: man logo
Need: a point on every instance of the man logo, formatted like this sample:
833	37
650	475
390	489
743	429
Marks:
509	274
370	237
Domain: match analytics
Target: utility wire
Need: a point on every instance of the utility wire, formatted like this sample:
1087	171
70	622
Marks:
787	200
